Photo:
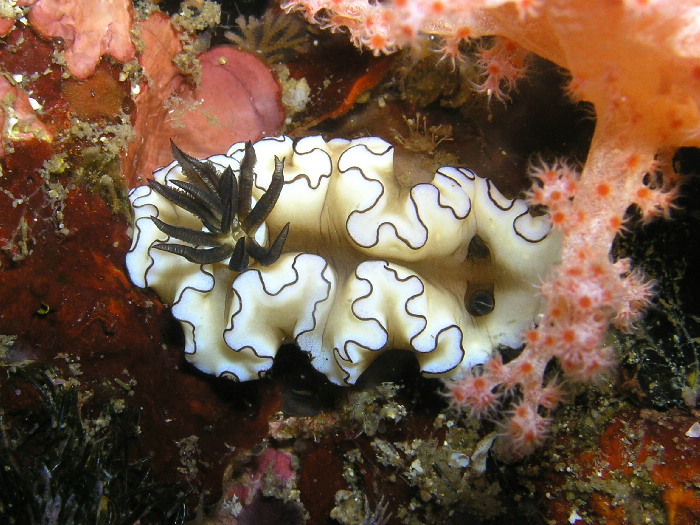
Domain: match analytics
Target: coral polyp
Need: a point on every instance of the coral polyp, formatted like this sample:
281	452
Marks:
223	204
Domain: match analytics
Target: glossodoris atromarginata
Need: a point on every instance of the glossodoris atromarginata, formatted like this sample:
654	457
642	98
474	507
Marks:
447	269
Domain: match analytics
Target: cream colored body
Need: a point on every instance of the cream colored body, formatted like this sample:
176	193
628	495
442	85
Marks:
368	265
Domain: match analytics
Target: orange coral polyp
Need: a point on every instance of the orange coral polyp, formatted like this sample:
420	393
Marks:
408	31
573	272
378	43
585	302
643	194
549	397
437	8
463	33
615	224
474	392
555	196
603	189
568	336
556	312
526	429
558	218
549	176
537	196
532	336
525	368
494	69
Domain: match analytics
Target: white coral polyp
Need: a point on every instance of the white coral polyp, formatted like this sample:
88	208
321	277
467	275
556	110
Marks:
368	265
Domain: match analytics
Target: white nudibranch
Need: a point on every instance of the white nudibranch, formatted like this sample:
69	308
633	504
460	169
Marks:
358	264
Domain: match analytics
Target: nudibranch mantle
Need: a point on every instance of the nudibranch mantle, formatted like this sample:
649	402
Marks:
447	269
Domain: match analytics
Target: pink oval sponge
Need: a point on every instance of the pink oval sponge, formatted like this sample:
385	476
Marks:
237	99
245	76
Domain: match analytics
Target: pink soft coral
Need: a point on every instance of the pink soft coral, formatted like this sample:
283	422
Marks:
503	64
638	63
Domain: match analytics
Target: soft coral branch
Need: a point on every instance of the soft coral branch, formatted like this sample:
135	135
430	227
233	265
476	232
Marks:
638	63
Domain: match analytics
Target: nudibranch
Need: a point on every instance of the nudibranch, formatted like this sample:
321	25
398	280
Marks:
360	264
